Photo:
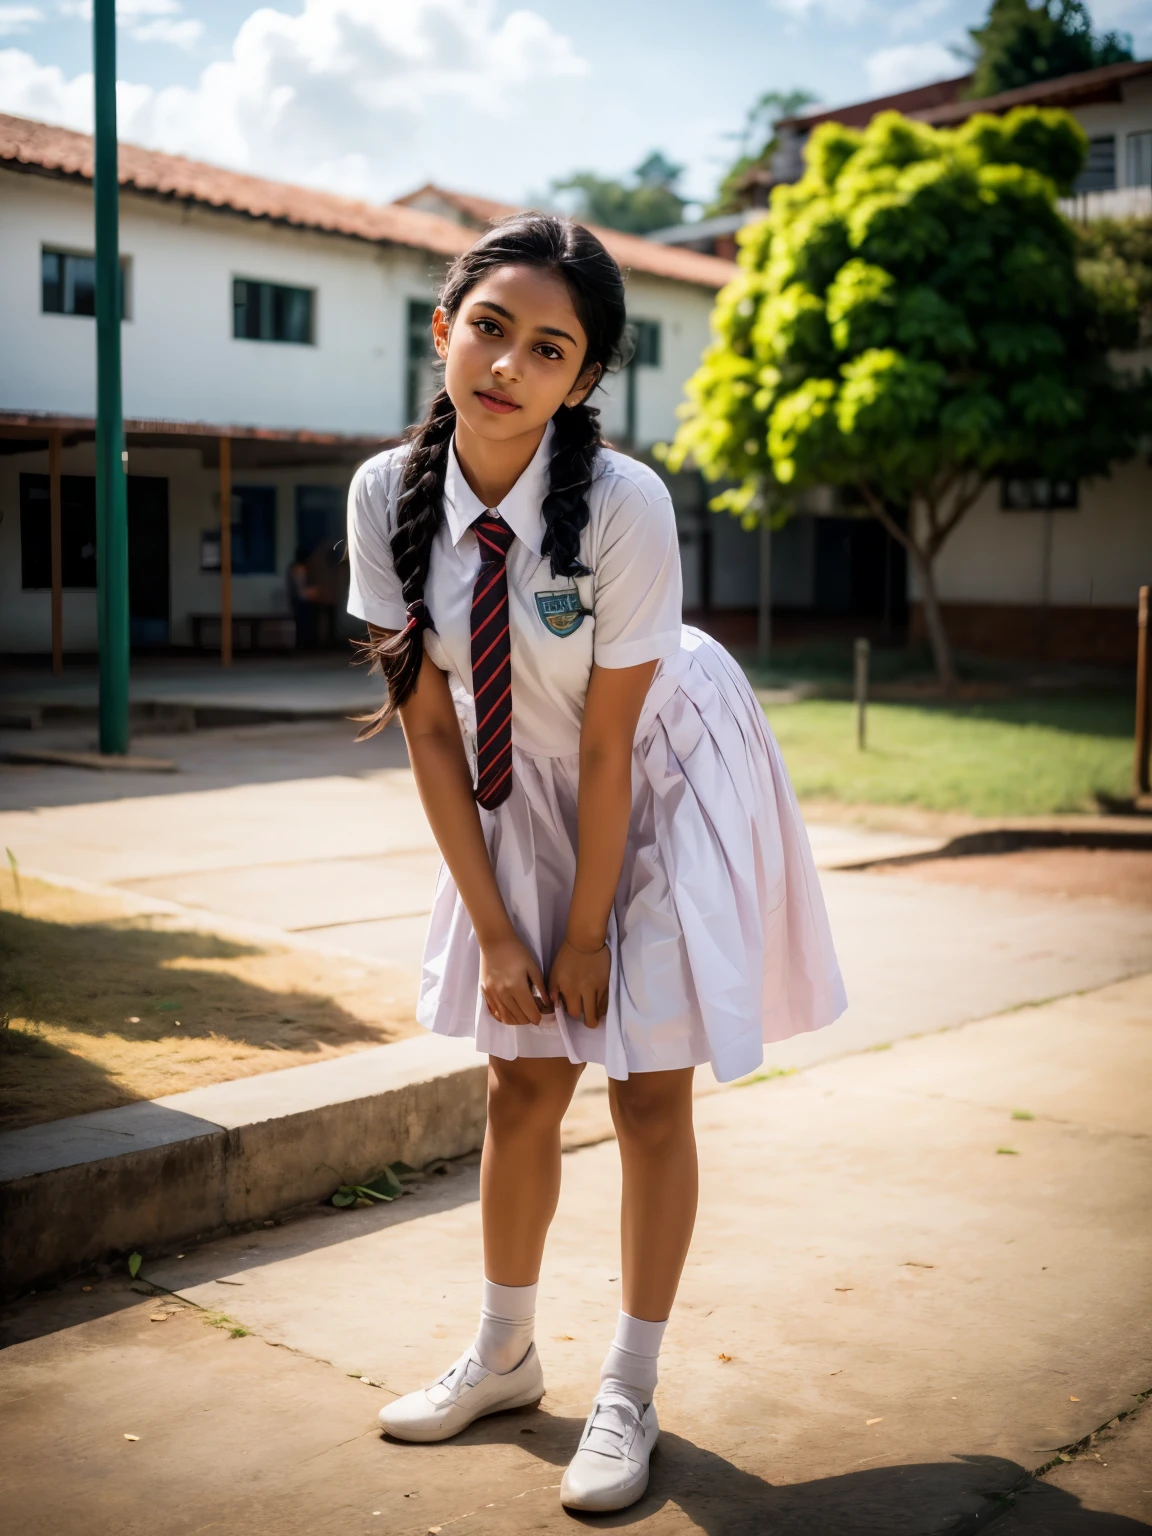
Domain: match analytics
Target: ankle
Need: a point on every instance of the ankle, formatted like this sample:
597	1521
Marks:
507	1325
630	1366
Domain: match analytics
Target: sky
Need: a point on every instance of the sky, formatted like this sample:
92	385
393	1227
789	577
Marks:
372	98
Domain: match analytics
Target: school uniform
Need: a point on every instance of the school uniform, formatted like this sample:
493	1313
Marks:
718	934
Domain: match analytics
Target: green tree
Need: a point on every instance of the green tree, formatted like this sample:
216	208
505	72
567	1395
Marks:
1116	260
909	323
1020	43
648	200
757	146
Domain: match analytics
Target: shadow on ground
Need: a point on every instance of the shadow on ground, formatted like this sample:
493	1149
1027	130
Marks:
93	1011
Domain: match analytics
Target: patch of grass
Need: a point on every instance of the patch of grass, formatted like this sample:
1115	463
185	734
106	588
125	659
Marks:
1011	757
1023	1114
1007	1152
103	1007
234	1329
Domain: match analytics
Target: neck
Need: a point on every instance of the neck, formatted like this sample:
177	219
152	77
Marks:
493	468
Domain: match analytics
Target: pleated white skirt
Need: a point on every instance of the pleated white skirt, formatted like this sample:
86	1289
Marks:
719	936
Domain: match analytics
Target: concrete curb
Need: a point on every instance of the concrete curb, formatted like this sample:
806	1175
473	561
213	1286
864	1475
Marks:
178	1169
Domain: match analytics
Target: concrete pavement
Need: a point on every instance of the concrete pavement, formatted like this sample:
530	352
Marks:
900	1302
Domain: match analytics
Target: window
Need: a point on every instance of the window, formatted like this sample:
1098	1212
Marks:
253	533
68	283
271	312
647	337
1038	493
420	371
1099	173
320	516
1138	171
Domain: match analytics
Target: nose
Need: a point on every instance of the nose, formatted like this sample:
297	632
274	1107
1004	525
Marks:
507	367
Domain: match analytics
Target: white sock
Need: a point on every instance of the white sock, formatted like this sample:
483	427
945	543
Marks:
507	1322
630	1365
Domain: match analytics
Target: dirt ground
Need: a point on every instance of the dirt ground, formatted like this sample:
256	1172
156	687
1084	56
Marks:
103	1007
1115	874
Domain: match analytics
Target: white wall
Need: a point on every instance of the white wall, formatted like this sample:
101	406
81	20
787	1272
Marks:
683	312
1100	554
181	361
1131	115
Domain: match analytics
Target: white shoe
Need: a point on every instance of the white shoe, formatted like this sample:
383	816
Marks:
465	1392
610	1467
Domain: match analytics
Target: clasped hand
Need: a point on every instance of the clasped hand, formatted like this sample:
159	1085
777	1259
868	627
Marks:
512	984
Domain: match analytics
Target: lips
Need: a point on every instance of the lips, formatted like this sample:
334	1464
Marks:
500	405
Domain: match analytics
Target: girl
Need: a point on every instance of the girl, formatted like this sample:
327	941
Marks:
626	877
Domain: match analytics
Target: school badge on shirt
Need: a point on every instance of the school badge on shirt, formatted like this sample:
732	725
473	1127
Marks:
563	612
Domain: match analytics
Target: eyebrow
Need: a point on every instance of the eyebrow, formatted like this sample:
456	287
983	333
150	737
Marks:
544	330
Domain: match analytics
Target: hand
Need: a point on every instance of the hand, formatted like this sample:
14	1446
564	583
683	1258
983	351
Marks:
508	975
580	981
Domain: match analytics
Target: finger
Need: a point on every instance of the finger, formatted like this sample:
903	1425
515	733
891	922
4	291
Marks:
510	1007
526	1002
536	977
602	1005
588	1009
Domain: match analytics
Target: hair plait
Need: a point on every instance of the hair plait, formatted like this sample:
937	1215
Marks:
529	239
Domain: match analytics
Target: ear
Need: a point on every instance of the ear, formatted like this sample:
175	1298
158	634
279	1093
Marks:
441	325
583	386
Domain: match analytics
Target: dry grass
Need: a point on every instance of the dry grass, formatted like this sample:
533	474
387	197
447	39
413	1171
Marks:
104	1006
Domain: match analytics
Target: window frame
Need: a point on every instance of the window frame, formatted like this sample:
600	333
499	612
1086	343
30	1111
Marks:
1045	493
269	286
75	253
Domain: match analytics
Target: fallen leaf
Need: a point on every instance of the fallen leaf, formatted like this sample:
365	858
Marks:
1007	1152
131	1437
1073	1399
875	1421
836	1373
724	1358
916	1264
158	1317
134	1263
433	1530
85	1287
843	1287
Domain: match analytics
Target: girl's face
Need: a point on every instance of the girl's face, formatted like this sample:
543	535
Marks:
514	353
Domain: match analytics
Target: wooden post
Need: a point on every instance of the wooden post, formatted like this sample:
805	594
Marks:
860	690
764	612
1141	777
225	551
54	514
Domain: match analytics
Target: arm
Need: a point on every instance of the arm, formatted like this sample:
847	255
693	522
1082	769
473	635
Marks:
611	711
508	970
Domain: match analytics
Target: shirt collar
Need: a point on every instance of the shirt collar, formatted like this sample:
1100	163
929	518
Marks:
520	509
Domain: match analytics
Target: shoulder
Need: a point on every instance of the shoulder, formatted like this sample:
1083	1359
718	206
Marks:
620	479
376	482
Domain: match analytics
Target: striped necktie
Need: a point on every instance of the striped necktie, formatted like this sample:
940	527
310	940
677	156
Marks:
492	663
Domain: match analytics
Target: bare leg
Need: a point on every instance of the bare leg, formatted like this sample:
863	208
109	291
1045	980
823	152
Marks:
520	1168
652	1112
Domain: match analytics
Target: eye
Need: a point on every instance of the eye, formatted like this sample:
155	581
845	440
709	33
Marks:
485	322
553	354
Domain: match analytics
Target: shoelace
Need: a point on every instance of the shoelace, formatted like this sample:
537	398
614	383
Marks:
621	1419
467	1372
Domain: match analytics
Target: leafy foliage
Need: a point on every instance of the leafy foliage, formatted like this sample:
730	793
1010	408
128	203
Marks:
757	146
649	200
908	322
1116	261
1020	43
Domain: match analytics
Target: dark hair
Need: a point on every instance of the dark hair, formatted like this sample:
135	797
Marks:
597	290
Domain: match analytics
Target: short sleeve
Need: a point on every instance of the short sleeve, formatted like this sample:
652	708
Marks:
374	590
637	587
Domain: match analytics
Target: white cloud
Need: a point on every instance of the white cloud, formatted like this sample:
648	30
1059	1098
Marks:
344	94
912	18
182	33
18	18
847	11
909	64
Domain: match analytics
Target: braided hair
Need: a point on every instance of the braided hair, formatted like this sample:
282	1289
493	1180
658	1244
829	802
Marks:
527	239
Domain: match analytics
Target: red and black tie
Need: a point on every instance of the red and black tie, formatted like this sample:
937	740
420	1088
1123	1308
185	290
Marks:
492	663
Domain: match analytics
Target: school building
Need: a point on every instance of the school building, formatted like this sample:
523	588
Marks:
283	330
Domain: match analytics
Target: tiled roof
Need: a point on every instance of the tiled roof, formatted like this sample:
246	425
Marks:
943	104
39	147
633	252
59	152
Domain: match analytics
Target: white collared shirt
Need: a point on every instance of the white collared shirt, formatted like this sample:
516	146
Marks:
625	613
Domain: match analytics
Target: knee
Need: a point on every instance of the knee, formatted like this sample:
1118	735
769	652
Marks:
650	1115
522	1099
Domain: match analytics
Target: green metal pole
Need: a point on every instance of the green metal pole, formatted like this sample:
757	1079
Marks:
111	483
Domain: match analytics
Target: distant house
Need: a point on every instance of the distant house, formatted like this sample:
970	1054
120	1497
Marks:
290	325
1036	568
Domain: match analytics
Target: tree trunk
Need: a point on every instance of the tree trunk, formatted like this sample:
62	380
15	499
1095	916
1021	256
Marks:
933	618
